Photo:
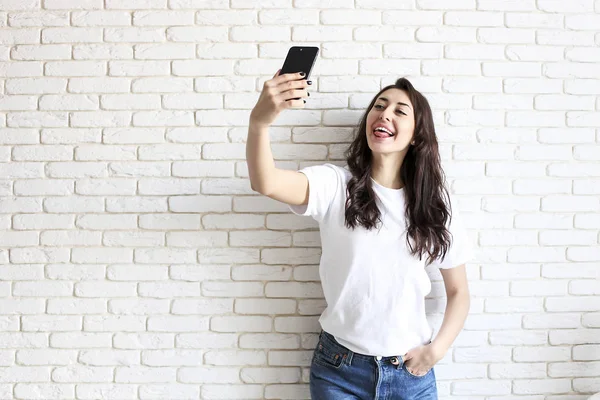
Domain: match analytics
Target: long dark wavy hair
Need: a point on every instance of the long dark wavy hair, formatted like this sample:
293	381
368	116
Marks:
428	208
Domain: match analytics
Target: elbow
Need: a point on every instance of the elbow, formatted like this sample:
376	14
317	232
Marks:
258	188
460	296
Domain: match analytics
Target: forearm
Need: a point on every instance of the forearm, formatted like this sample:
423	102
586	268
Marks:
457	309
259	156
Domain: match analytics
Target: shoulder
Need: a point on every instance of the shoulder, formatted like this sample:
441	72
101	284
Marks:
330	171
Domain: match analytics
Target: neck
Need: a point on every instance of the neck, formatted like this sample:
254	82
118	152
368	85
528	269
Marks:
385	170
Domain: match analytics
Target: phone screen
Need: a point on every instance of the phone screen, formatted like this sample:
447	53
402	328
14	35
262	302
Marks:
300	59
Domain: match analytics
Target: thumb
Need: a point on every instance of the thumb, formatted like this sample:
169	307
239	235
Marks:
408	356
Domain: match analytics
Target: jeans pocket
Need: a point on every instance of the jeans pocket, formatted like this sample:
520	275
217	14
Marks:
416	376
329	354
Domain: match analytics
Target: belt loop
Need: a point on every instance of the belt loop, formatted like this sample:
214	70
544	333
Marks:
349	357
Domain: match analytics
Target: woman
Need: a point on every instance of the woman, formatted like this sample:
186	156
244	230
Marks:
382	220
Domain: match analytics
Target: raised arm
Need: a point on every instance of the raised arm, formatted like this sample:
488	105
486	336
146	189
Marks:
278	94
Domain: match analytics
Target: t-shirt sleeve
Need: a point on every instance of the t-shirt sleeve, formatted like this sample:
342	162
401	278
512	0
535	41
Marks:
323	184
461	249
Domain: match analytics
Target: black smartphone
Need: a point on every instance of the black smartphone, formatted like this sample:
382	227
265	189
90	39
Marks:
300	59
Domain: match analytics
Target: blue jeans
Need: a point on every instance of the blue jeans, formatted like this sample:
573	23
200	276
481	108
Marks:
337	373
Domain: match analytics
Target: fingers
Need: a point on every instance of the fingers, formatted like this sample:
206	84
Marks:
418	371
272	88
277	73
289	77
291	85
294	94
294	103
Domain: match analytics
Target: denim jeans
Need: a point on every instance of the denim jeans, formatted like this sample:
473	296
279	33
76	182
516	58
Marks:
337	373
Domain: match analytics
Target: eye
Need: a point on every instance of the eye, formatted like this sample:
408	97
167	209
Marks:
401	112
378	107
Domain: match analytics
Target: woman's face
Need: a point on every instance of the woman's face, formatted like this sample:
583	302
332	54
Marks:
391	122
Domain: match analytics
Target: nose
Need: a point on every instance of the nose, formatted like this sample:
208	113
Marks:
384	115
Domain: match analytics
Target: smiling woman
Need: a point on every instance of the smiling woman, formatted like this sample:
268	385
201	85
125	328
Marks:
382	219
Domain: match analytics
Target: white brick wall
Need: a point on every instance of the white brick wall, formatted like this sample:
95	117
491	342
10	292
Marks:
137	263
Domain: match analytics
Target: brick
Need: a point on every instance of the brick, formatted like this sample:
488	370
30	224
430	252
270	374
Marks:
350	17
19	4
69	102
203	168
18	103
100	18
20	36
99	85
102	52
51	187
162	85
437	34
102	119
73	4
553	6
138	68
70	238
226	18
130	102
259	34
72	35
471	85
41	52
134	35
225	50
75	68
197	34
316	3
18	69
163	18
315	33
35	85
164	51
208	67
542	386
37	120
135	4
201	4
132	136
227	84
163	118
38	18
534	20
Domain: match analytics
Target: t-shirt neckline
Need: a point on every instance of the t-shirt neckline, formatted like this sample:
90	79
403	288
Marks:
386	188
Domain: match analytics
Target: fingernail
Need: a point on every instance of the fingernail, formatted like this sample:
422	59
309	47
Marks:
304	101
302	74
309	82
308	94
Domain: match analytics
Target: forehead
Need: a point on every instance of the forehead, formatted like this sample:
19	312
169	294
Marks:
396	95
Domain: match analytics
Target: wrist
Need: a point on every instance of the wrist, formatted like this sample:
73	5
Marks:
439	350
257	123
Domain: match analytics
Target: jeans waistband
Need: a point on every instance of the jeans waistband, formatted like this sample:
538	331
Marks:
352	354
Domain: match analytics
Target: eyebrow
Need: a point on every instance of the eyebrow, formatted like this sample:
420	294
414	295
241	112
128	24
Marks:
385	99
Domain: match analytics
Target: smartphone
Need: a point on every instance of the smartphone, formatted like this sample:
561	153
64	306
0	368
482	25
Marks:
300	59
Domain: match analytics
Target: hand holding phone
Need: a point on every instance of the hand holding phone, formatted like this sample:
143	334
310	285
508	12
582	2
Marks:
288	86
279	93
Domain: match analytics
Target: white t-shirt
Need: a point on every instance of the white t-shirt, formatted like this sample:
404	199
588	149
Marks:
374	288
